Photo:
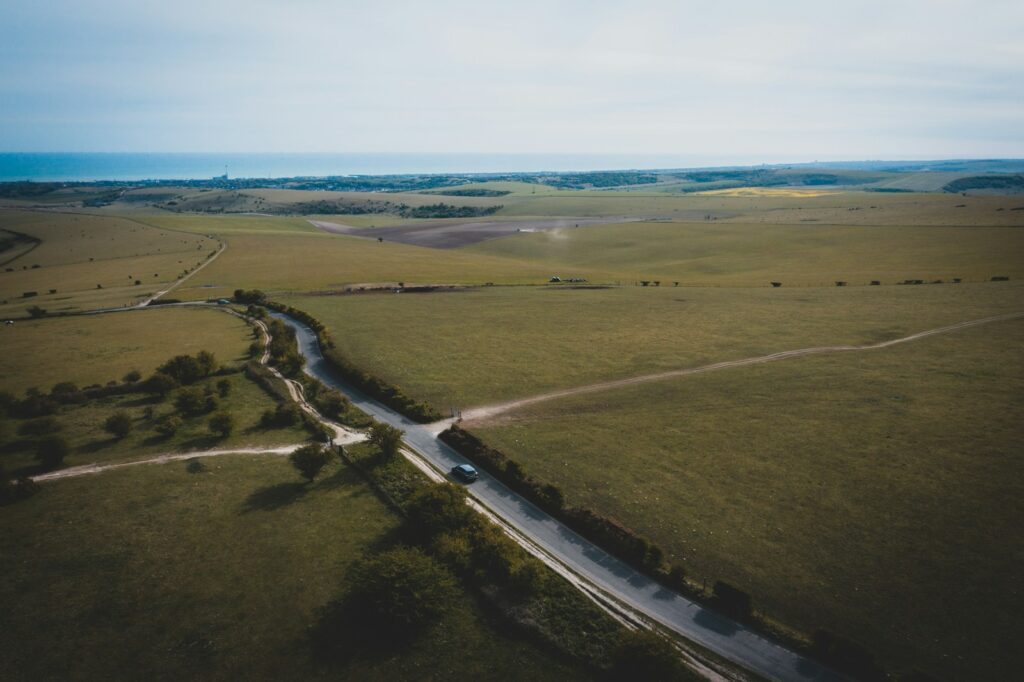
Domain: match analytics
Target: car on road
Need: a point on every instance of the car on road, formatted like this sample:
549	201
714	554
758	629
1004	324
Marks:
465	472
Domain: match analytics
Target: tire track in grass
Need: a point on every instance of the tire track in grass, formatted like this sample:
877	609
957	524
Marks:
485	412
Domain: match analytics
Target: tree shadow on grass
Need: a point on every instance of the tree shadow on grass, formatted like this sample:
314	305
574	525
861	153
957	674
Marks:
200	443
343	634
272	497
16	446
95	446
342	476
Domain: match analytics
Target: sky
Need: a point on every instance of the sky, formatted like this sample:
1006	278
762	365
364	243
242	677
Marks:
724	80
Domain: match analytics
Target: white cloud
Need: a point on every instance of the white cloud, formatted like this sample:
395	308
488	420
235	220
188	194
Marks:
790	79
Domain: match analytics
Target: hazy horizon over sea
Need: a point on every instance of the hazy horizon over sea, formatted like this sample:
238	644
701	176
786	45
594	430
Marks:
140	166
134	166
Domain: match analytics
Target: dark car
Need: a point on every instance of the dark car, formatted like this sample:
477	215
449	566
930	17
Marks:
464	472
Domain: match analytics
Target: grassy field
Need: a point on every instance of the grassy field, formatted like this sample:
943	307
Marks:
324	261
82	427
877	494
219	575
744	254
90	261
484	345
95	349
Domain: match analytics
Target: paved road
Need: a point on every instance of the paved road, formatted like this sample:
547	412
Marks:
716	633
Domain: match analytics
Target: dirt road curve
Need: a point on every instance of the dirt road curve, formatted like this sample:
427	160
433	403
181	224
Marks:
483	413
86	469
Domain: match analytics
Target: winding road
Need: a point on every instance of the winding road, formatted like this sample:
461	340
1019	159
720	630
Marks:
603	573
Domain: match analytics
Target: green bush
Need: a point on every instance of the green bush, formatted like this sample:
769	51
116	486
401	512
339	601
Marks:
386	438
309	460
169	426
401	591
436	509
222	424
161	384
118	424
191	401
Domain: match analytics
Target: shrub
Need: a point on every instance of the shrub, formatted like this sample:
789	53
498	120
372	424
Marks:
118	424
285	414
309	460
51	451
222	424
161	384
186	369
437	509
250	296
224	388
190	401
385	438
36	312
169	426
132	376
64	389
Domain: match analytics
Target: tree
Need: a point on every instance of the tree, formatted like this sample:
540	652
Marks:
385	438
436	509
64	389
169	426
161	384
118	424
401	590
187	369
222	424
224	388
51	451
643	655
309	460
190	401
285	414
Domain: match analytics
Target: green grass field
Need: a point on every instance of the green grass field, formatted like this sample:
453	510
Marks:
485	345
745	254
875	494
88	261
95	349
82	427
323	261
156	573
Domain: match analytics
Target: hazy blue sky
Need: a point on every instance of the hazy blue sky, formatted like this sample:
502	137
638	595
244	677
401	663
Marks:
755	80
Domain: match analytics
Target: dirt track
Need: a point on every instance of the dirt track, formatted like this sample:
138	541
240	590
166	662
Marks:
486	412
87	469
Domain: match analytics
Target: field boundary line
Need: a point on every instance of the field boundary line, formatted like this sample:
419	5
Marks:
487	411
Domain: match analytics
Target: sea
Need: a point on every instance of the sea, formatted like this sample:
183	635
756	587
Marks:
89	167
